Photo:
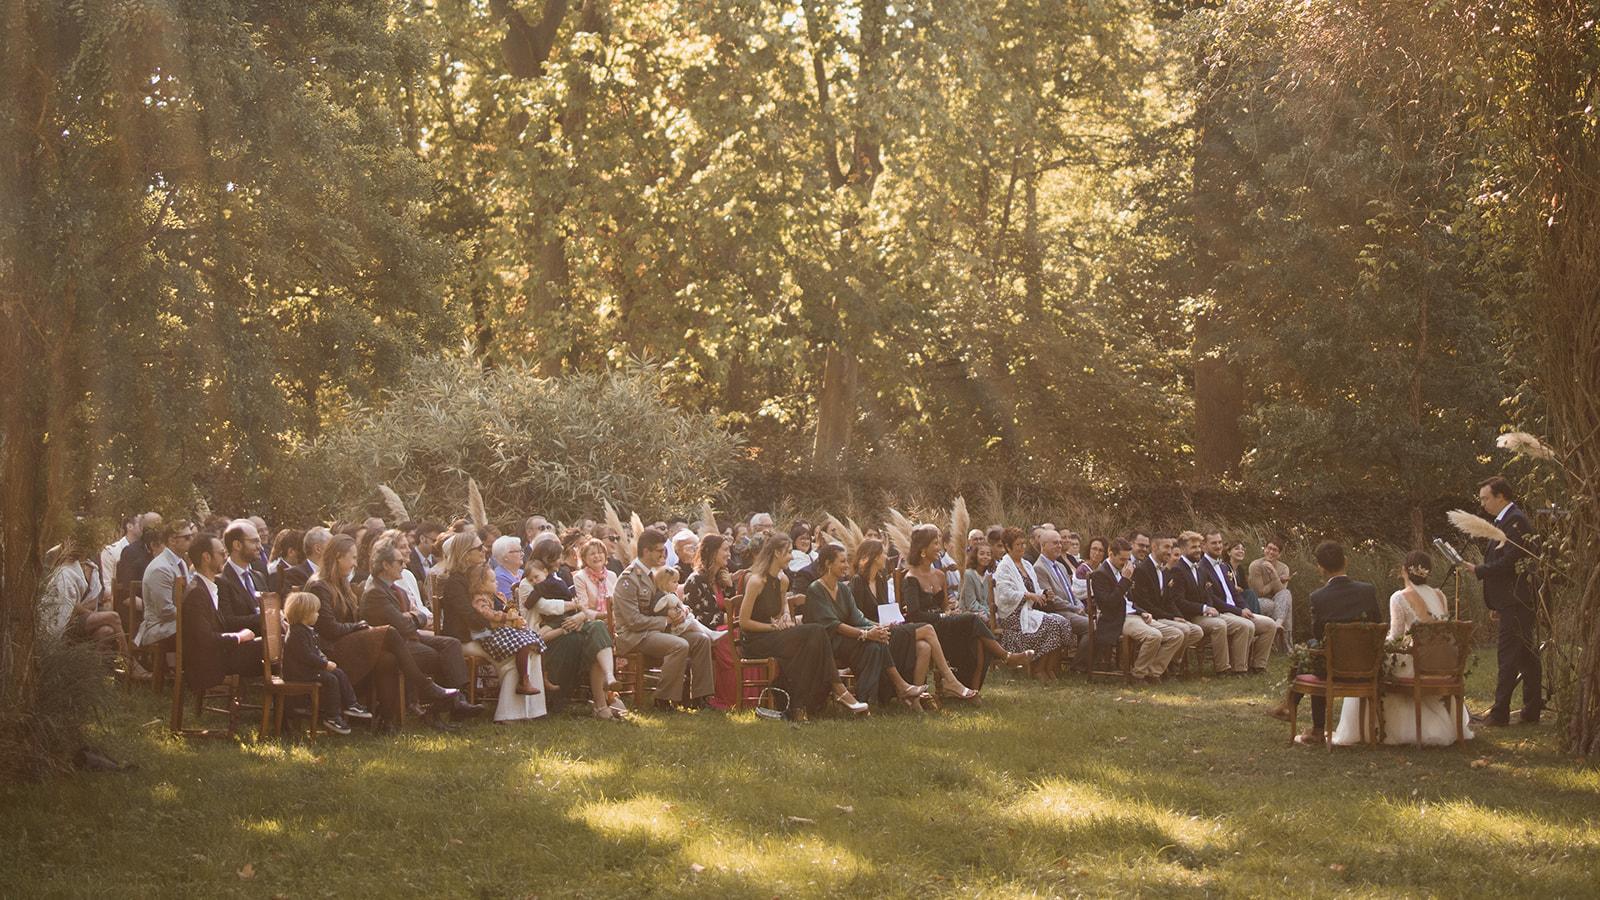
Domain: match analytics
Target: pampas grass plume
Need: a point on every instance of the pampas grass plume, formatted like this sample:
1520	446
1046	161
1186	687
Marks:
1525	444
1476	526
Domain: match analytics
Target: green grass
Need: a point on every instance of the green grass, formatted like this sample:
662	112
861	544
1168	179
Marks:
1182	790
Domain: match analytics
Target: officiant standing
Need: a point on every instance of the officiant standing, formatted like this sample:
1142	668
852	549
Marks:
1510	590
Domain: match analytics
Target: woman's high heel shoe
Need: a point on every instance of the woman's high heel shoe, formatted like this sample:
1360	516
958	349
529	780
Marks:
1021	659
913	692
965	693
852	704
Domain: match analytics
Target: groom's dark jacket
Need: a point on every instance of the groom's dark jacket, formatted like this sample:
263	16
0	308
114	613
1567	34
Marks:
1343	600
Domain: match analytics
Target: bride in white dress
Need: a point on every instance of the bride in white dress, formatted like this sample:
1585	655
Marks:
1399	716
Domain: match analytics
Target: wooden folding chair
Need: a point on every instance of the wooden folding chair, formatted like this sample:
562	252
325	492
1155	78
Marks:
1353	653
276	692
634	671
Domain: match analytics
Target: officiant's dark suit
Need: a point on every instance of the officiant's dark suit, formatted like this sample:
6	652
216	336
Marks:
1342	599
1511	590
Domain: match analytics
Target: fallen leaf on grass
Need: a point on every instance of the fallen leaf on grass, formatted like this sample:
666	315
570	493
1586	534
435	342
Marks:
247	873
800	820
844	809
696	868
456	841
1480	763
1336	867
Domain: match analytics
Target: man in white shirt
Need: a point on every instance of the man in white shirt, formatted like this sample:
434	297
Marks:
132	528
1224	587
1229	636
1112	584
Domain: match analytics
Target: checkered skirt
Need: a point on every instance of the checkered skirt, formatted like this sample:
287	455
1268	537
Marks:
501	643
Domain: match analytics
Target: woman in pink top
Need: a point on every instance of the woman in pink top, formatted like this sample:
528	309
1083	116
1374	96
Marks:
595	583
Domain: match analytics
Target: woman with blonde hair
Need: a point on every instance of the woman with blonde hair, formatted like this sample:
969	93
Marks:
594	582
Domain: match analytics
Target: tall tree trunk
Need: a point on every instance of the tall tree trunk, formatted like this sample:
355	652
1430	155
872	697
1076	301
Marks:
1219	384
836	407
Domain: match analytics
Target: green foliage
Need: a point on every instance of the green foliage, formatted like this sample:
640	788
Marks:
74	692
554	445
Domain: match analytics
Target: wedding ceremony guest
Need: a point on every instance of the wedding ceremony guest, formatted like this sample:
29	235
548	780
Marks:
303	660
135	556
974	595
69	607
366	537
926	599
424	547
295	577
577	642
869	586
532	527
1223	587
365	651
593	582
1241	583
1071	545
166	581
804	652
1341	599
1154	593
507	554
641	629
1097	555
1111	585
1140	542
1269	578
1054	575
571	560
1025	629
239	585
1416	601
673	527
707	592
216	642
1228	636
261	561
109	555
383	604
760	525
686	553
801	554
287	552
495	624
1511	592
407	582
877	654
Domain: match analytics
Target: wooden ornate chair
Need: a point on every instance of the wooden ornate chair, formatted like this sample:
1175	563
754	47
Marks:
275	692
1353	654
1112	659
1439	655
634	671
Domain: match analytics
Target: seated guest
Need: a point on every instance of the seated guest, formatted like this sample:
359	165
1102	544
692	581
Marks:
686	553
112	552
262	560
577	642
806	670
665	579
1071	543
640	629
239	585
303	660
869	586
973	595
1223	587
800	555
69	607
1055	578
1269	578
295	577
497	626
407	583
1229	636
134	558
1024	628
216	643
363	651
1241	583
593	582
1097	555
571	561
508	557
1111	585
706	593
166	581
925	599
1156	592
471	610
875	653
383	604
424	540
1340	600
288	549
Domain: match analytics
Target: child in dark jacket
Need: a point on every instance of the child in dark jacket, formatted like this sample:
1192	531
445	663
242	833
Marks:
303	660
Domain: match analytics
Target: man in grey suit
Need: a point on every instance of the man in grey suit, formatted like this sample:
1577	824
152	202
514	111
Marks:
1054	576
166	581
640	629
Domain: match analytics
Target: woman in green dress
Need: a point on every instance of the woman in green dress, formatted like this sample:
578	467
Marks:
876	653
576	639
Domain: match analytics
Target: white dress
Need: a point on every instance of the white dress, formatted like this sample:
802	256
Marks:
1399	717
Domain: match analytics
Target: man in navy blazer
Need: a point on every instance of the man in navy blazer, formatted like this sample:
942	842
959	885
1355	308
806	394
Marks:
1342	599
1223	586
1511	591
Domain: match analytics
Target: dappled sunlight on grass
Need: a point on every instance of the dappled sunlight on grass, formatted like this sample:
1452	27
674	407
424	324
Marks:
1074	804
643	816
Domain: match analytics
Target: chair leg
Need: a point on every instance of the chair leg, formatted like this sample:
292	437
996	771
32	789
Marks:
177	706
1294	715
1327	717
282	706
1416	708
268	701
316	715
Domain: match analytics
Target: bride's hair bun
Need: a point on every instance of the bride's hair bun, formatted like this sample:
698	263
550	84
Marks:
1418	565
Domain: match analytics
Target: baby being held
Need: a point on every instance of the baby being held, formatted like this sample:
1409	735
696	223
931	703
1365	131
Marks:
666	580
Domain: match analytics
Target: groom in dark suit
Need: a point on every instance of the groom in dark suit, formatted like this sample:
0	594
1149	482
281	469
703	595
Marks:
1342	599
1510	590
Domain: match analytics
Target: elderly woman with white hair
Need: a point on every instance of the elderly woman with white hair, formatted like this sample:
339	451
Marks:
507	556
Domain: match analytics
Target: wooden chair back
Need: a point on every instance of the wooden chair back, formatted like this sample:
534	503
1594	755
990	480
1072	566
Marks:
1355	650
1441	649
271	635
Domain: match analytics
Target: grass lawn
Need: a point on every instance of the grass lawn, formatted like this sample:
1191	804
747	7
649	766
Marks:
1185	789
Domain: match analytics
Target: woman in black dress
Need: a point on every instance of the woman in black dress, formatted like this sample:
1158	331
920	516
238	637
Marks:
877	654
768	630
925	598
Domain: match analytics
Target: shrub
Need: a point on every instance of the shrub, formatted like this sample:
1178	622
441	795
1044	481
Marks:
556	446
70	692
